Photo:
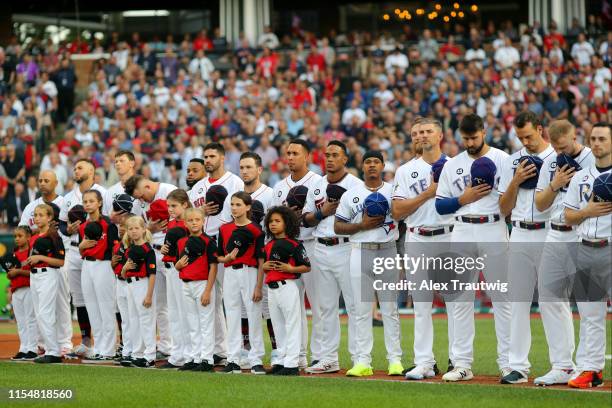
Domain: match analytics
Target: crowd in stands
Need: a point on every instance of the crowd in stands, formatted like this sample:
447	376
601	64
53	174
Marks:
165	99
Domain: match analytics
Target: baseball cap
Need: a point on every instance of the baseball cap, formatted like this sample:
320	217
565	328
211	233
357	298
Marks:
172	237
77	213
296	197
565	159
9	261
281	251
532	181
376	205
158	210
194	248
241	238
216	194
123	203
483	171
93	230
602	188
42	246
334	192
257	211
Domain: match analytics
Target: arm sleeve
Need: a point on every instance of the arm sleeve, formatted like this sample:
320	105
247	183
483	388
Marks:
58	244
211	252
572	197
446	206
300	256
150	263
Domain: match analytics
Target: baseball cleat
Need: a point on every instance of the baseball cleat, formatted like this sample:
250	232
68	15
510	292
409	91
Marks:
219	361
450	367
47	359
553	377
143	363
231	368
458	374
587	379
276	368
160	356
258	370
189	366
504	372
289	371
420	373
19	356
323	367
360	370
81	350
168	366
29	356
395	369
126	361
515	377
205	367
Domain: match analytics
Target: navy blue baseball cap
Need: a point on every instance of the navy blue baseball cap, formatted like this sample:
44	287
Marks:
483	171
565	159
602	188
532	181
376	205
436	168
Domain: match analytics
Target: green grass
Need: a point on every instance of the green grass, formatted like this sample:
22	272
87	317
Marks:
108	386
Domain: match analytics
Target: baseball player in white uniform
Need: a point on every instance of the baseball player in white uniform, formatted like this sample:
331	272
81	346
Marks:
530	227
145	192
477	220
84	170
594	257
298	154
214	159
330	254
556	261
414	194
371	237
124	165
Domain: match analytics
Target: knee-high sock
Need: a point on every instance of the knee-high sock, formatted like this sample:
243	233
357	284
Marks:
245	334
84	325
271	333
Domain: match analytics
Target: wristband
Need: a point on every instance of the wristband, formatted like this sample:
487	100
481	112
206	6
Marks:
319	215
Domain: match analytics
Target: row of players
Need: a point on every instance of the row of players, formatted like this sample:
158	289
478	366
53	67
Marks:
455	205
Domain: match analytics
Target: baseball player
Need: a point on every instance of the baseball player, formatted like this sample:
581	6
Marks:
195	172
146	192
250	173
125	163
47	183
519	174
214	163
83	171
298	154
372	235
592	213
330	254
556	261
414	199
477	220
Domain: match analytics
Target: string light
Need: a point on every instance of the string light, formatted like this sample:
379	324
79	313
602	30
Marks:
456	5
474	8
446	19
461	14
453	14
386	17
397	11
438	7
420	12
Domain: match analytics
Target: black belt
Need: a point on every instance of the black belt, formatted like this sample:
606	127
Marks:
240	266
36	270
168	265
332	241
276	284
187	280
74	243
431	232
158	247
560	227
596	244
133	279
478	219
120	278
90	258
529	225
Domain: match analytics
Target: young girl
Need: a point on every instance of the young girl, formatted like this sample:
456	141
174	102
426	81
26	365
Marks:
21	296
240	246
197	266
97	276
46	257
178	201
118	261
285	259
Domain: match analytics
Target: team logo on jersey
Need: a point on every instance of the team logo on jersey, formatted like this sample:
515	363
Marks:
553	165
305	256
317	191
200	190
356	200
279	194
388	226
459	171
515	162
585	192
415	174
585	178
68	204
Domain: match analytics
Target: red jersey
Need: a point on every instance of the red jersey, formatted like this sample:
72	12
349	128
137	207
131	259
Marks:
45	245
119	249
21	281
147	267
199	268
297	257
254	248
176	230
103	250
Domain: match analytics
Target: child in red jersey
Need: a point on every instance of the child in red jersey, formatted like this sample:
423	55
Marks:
98	236
46	257
139	272
118	260
178	201
21	297
285	260
240	249
197	266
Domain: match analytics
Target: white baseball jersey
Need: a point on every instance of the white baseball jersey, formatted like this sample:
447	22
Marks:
411	180
265	195
162	193
197	195
116	189
316	198
455	177
577	197
27	217
351	210
75	197
281	189
557	214
524	209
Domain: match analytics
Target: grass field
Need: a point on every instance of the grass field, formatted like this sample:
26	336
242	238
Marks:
114	386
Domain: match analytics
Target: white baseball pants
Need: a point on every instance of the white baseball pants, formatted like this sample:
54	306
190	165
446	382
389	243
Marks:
127	328
308	286
64	316
27	327
44	290
143	319
285	312
164	344
177	316
238	288
98	283
201	321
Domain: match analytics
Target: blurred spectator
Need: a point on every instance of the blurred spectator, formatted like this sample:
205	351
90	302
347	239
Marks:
268	39
428	46
582	50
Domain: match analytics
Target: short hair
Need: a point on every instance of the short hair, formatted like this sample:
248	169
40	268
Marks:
301	143
604	125
215	146
89	161
471	123
252	155
431	121
132	183
127	154
341	145
525	117
559	128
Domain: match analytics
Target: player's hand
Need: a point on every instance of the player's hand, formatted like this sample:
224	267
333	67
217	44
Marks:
297	210
165	249
148	301
210	208
269	265
232	255
181	263
157	226
368	223
562	177
205	298
283	267
431	190
129	265
87	243
257	294
73	227
473	194
12	273
33	260
595	209
329	208
523	172
117	217
115	259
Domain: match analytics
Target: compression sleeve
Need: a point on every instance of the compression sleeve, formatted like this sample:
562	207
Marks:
447	205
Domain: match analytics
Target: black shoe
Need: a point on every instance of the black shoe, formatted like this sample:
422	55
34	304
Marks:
258	370
19	356
451	366
189	366
377	323
159	356
126	361
143	363
168	366
231	368
515	377
406	370
46	359
289	371
436	369
30	355
276	368
313	362
219	360
205	367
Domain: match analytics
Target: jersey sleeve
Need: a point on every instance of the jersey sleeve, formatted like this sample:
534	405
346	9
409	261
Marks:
211	252
58	248
150	263
300	256
444	184
26	215
400	191
543	178
572	197
260	243
63	215
343	212
221	240
506	175
276	201
309	206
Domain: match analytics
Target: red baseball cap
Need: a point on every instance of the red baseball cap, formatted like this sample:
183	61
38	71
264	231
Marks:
158	211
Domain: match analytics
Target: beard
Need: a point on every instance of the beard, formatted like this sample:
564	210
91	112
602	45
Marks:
475	150
191	182
81	179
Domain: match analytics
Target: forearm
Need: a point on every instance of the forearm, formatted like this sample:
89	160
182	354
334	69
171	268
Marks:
260	274
151	286
507	201
575	217
545	198
401	209
300	269
311	219
212	276
52	262
345	228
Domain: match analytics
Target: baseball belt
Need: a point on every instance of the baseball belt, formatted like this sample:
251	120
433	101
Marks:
332	241
134	279
374	246
276	284
597	243
478	219
157	247
38	270
74	243
240	266
431	232
529	225
561	227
